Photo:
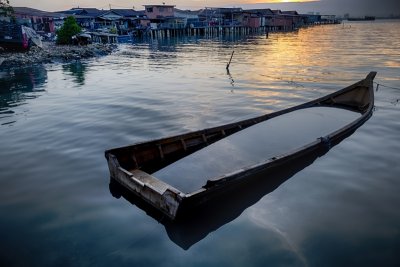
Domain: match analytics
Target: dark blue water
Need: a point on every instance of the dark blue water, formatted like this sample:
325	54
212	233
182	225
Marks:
56	121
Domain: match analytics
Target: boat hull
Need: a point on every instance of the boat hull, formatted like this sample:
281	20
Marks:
131	165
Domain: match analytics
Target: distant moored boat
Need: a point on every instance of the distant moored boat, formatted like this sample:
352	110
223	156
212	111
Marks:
362	19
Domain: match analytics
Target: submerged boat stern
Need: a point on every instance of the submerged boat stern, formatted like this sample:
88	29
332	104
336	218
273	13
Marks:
157	193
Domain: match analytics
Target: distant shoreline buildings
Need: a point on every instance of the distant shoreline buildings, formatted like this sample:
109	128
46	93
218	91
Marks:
155	21
167	17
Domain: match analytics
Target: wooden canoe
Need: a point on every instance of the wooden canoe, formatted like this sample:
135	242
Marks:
132	166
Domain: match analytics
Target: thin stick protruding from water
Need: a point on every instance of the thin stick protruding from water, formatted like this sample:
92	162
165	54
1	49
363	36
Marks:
227	66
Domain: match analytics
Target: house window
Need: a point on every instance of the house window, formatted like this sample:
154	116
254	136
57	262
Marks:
149	10
161	9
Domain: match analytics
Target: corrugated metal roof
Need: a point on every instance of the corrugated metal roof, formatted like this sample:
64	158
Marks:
128	12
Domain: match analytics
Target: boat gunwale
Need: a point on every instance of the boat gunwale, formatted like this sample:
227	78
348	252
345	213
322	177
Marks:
257	118
325	140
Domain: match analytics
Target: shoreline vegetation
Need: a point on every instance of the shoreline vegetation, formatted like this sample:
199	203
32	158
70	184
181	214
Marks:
52	53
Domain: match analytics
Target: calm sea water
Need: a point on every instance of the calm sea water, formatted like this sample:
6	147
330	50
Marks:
56	121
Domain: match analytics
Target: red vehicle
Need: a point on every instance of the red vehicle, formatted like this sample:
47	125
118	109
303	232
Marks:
13	36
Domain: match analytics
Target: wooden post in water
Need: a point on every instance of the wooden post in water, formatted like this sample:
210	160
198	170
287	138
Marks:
227	66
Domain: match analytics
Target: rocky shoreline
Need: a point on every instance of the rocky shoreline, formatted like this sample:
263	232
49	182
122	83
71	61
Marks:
51	53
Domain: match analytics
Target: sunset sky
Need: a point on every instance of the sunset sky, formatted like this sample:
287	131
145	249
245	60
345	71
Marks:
337	7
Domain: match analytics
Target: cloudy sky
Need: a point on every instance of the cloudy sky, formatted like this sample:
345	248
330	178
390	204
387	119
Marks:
337	7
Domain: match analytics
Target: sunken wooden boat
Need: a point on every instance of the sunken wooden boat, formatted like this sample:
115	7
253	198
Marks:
160	171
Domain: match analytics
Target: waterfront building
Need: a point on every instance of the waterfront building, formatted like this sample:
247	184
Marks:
41	21
188	17
166	20
155	12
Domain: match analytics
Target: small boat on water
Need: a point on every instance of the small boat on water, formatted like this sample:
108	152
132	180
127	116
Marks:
182	172
366	18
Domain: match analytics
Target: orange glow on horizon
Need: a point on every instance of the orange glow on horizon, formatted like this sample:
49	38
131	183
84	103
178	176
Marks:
280	1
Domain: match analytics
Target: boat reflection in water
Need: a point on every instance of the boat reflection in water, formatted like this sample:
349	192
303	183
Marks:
192	225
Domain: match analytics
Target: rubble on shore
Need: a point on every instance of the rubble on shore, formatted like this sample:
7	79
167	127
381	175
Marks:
51	53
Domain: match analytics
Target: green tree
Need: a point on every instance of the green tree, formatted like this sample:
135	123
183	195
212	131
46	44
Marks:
69	29
5	8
